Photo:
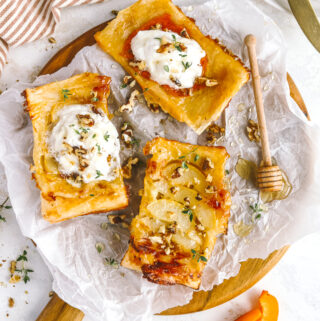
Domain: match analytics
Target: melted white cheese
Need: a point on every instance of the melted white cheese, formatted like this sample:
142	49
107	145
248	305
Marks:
184	66
101	143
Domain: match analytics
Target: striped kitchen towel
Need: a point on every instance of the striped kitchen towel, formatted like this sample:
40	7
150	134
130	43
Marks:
23	21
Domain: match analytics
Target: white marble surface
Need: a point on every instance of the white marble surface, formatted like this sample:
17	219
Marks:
295	281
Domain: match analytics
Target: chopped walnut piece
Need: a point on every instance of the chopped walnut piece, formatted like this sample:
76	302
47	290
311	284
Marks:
177	172
207	164
128	81
15	279
184	33
68	147
116	218
13	265
85	120
200	227
11	302
187	201
214	132
209	82
155	108
79	151
140	64
128	107
165	47
209	178
174	189
253	131
52	40
198	197
175	80
157	26
210	189
127	169
159	196
127	134
167	251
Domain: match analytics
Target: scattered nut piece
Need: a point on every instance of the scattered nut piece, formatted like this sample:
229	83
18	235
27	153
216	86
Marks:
128	107
253	131
52	40
159	196
210	189
127	169
140	64
115	12
209	178
174	189
116	218
198	197
214	133
157	26
15	279
85	120
184	33
187	201
207	164
209	82
155	108
128	81
177	172
13	265
167	251
11	302
51	293
200	227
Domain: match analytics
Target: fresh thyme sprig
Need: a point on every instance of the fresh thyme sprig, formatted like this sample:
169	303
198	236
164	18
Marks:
195	158
197	256
256	210
186	65
24	271
2	206
112	262
66	93
189	212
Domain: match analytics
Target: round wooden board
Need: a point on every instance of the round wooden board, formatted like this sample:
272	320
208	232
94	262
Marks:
251	271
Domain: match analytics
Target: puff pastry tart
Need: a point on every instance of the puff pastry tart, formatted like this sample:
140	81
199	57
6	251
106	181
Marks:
189	75
185	205
76	148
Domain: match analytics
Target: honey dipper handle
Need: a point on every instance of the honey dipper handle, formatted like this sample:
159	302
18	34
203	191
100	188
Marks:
250	41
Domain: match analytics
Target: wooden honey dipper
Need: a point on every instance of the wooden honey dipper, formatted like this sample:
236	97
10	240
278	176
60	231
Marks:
269	177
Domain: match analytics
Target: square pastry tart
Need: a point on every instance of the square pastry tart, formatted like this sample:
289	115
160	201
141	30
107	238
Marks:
189	75
76	148
185	205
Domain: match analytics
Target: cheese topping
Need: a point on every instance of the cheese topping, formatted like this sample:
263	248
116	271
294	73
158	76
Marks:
169	58
85	144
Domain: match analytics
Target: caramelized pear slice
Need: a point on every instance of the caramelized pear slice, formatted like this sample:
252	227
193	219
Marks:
186	196
181	173
50	165
170	211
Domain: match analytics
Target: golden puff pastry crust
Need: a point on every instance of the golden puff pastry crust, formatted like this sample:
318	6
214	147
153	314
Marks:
185	205
59	199
205	104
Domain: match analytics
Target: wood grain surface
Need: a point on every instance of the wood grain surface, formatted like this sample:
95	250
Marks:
251	271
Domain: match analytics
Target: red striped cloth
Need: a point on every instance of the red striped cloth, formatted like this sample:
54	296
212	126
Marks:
23	21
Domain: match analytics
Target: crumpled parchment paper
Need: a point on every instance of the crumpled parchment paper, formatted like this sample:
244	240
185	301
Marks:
104	293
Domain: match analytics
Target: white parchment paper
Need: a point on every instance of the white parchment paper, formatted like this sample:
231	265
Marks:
80	276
